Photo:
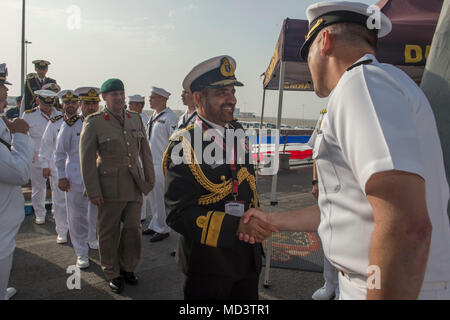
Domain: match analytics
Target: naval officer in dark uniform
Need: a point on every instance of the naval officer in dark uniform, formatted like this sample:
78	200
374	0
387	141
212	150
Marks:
206	199
35	81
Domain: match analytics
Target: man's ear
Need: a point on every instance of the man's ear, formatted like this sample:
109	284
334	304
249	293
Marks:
327	43
197	97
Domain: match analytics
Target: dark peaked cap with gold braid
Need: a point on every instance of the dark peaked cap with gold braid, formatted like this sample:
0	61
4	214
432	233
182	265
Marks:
216	72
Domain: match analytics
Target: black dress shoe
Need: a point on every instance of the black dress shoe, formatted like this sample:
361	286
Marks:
129	277
148	232
116	285
159	236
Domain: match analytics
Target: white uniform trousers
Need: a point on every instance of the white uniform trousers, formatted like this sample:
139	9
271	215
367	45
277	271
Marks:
330	275
38	192
7	242
353	287
82	217
144	207
59	208
158	222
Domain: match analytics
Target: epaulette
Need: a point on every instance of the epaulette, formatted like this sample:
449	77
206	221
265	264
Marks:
323	111
31	110
54	119
31	76
95	114
71	121
177	134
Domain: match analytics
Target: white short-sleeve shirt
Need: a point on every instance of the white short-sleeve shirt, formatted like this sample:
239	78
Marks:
378	120
162	125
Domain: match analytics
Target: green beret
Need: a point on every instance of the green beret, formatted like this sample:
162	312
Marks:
112	85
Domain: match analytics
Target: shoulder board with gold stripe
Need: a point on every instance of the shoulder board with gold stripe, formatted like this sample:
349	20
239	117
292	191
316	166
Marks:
31	76
70	122
323	111
31	110
54	119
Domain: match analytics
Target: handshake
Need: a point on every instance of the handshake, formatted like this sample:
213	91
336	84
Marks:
255	226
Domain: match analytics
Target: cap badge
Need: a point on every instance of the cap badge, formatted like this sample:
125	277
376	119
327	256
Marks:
226	69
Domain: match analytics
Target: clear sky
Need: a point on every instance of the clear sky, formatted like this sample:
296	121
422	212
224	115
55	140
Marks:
153	43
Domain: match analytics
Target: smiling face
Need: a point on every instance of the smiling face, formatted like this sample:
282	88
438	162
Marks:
216	104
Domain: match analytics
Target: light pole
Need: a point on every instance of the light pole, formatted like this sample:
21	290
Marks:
22	75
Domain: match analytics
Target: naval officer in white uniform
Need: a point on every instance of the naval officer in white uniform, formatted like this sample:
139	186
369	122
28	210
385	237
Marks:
383	192
38	119
191	112
47	158
136	104
161	126
81	213
330	289
15	166
5	135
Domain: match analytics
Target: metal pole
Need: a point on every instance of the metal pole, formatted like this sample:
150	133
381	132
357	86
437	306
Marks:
436	82
259	133
22	71
273	196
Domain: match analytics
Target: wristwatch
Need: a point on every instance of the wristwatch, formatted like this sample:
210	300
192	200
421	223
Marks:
315	182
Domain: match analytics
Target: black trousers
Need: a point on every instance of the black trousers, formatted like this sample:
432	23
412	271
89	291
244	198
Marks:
221	288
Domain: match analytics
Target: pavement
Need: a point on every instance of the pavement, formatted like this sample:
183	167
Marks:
40	264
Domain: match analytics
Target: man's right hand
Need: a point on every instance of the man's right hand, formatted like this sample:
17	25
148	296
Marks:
315	191
64	184
255	226
17	125
98	201
46	173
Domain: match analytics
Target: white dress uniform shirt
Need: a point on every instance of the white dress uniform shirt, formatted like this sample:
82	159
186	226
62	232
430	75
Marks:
15	168
161	127
47	160
378	120
81	213
48	144
4	132
67	159
145	120
186	119
38	120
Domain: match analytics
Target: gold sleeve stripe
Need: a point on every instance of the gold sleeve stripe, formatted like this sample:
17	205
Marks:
215	226
202	222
